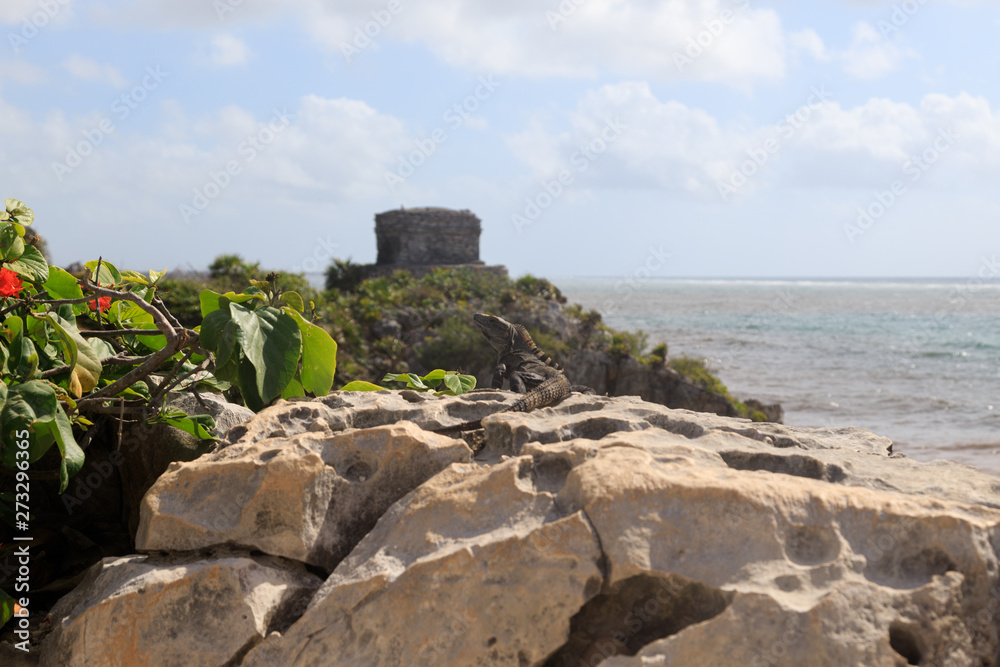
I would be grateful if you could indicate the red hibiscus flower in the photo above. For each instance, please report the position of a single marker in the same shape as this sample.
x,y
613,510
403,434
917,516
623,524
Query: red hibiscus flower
x,y
105,303
10,284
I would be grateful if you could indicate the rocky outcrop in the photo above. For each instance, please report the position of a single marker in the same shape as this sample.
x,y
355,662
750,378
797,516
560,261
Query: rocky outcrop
x,y
606,531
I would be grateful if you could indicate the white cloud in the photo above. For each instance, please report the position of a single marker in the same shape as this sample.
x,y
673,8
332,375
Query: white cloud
x,y
331,152
871,55
90,70
668,146
228,51
727,41
808,41
21,72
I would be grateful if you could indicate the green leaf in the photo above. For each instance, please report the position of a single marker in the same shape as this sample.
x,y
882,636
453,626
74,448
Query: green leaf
x,y
468,382
19,210
319,356
62,284
212,301
270,339
293,300
11,244
454,384
28,405
361,385
199,426
109,274
22,360
72,455
246,379
31,265
6,608
84,363
293,390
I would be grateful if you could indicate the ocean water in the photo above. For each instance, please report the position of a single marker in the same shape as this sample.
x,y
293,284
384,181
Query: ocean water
x,y
915,360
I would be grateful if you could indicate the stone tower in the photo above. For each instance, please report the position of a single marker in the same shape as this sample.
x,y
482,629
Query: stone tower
x,y
427,236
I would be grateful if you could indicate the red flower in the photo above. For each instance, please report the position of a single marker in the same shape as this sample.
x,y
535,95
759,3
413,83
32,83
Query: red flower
x,y
10,284
105,303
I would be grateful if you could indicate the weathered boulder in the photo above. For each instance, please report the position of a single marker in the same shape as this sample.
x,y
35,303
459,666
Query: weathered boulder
x,y
175,610
310,497
477,566
598,531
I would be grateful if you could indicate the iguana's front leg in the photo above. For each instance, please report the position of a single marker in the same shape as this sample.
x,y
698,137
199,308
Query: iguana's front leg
x,y
498,374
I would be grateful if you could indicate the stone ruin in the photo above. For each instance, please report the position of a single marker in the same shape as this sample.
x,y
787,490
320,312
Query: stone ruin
x,y
419,239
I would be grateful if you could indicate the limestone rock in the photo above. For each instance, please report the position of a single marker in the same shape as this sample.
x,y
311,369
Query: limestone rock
x,y
597,531
310,497
477,566
170,610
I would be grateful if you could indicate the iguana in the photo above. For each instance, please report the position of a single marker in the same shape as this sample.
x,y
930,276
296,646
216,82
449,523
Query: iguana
x,y
519,361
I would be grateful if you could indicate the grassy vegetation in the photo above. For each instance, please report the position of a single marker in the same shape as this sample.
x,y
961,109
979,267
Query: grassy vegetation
x,y
399,323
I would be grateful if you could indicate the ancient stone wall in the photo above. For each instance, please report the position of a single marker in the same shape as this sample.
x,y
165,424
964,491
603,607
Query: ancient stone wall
x,y
427,236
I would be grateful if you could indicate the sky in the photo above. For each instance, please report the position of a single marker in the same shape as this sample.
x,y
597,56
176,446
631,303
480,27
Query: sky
x,y
677,138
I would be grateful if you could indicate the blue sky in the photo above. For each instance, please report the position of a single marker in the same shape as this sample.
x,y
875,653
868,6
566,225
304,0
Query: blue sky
x,y
838,138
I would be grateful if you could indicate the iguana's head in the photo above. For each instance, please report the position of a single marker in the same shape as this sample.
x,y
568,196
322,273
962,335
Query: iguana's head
x,y
499,333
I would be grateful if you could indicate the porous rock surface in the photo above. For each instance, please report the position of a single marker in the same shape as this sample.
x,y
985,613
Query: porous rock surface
x,y
599,531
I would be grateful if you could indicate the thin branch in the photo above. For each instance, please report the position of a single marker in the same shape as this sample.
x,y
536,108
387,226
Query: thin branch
x,y
97,302
158,318
111,333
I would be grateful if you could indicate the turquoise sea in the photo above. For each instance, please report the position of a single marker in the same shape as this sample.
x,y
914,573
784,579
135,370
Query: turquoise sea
x,y
915,360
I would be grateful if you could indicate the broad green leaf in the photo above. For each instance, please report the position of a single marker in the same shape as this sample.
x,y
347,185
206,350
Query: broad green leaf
x,y
11,245
454,384
212,325
293,390
199,426
319,356
109,275
22,358
361,385
135,277
62,284
293,300
468,382
436,374
270,339
85,365
72,455
154,276
19,210
212,301
28,404
31,265
246,377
